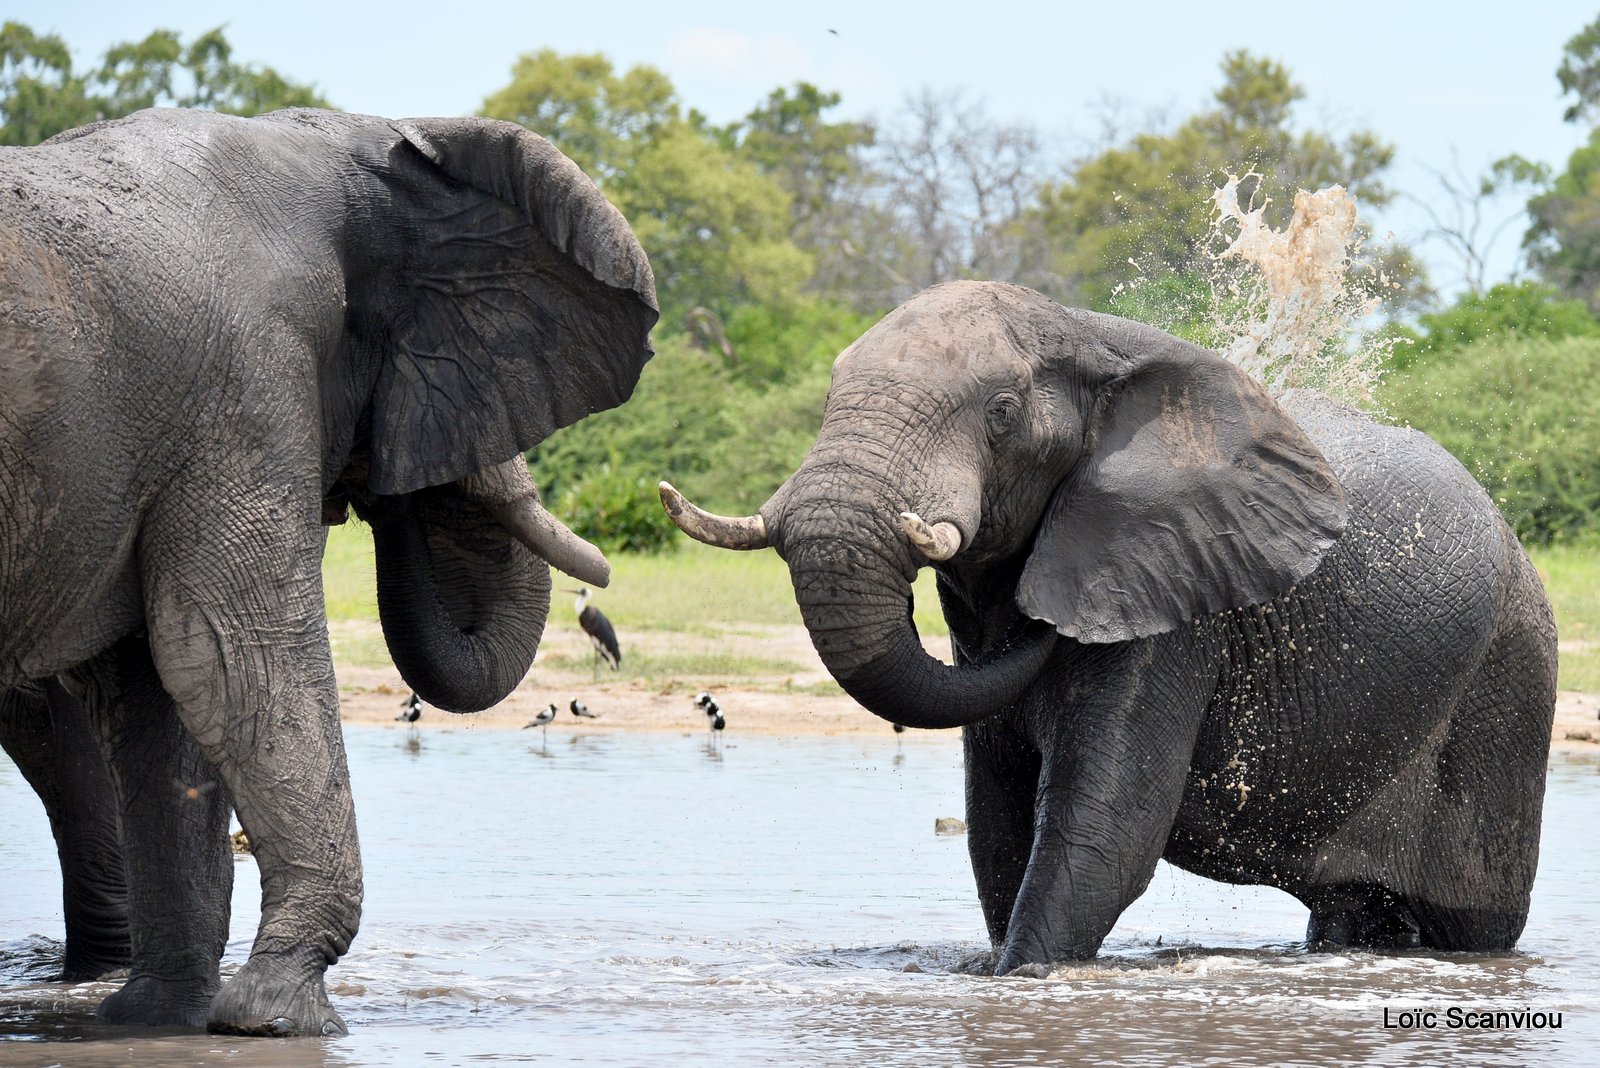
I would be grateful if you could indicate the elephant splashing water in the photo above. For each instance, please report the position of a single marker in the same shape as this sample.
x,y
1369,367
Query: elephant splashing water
x,y
1271,643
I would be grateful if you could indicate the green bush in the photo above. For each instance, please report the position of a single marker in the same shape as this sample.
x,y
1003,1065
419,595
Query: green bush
x,y
774,432
774,345
1526,308
1523,415
616,506
683,404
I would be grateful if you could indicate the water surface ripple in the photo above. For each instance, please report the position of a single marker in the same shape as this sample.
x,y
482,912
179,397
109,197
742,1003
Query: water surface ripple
x,y
652,898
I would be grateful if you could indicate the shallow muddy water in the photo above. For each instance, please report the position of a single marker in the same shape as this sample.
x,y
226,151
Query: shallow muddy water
x,y
647,898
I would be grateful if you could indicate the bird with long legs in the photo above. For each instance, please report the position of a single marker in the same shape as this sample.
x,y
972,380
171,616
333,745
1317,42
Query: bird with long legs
x,y
542,720
600,631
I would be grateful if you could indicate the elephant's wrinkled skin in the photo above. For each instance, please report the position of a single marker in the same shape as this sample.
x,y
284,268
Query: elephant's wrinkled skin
x,y
1298,651
217,334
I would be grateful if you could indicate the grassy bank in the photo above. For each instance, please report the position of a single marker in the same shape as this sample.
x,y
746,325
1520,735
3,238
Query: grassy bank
x,y
705,592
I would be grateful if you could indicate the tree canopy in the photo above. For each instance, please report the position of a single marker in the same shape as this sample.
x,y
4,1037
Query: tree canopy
x,y
41,95
1143,207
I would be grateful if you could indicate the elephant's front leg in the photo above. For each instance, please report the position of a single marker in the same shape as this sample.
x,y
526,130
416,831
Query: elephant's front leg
x,y
1115,747
1002,773
240,638
174,819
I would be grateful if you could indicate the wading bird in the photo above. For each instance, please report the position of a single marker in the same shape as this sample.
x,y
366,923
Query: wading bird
x,y
581,710
410,709
600,632
542,720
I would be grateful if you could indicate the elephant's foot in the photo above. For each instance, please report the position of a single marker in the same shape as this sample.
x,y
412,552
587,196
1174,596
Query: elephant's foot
x,y
80,966
147,1001
1389,925
1030,970
274,996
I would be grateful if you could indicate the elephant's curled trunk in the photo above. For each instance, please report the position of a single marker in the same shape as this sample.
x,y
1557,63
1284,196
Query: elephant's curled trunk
x,y
463,604
854,593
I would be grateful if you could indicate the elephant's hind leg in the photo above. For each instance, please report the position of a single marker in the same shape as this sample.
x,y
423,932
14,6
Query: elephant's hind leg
x,y
1362,917
1483,846
49,736
174,817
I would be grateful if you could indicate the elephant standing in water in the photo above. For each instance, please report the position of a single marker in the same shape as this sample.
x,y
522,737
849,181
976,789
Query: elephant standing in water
x,y
217,335
1276,645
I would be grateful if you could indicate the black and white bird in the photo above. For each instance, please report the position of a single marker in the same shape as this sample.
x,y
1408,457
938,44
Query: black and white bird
x,y
410,709
899,728
715,720
600,631
581,710
708,704
542,720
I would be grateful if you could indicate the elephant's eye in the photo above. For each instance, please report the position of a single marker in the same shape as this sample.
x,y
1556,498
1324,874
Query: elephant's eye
x,y
1002,413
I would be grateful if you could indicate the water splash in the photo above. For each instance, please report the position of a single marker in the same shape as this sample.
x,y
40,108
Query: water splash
x,y
1288,305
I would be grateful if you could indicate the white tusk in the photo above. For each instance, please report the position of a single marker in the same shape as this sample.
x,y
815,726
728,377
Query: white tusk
x,y
527,521
746,532
938,542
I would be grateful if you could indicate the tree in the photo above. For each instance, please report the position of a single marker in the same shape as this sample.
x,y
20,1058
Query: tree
x,y
951,184
811,159
1526,309
1466,225
1144,207
716,227
1563,236
1579,73
40,95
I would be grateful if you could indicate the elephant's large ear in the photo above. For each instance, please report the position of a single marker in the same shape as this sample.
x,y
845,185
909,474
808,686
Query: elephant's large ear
x,y
526,304
1197,493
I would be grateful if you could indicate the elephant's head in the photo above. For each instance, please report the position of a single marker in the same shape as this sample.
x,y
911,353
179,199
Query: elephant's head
x,y
1113,480
492,296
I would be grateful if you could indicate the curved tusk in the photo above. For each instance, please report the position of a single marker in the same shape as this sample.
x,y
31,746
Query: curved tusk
x,y
527,521
938,542
746,532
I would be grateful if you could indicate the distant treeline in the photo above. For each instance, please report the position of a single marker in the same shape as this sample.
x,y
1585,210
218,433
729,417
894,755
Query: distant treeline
x,y
778,238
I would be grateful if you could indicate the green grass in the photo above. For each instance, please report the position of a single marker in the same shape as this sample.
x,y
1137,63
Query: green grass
x,y
710,592
349,588
697,589
1571,575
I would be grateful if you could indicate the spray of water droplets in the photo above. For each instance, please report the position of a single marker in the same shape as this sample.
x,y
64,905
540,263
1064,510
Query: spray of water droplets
x,y
1287,305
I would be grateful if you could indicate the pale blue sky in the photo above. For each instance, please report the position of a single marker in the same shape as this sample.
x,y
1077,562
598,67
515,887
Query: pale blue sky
x,y
1475,78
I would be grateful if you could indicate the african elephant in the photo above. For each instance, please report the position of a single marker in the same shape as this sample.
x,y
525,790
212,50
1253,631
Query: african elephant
x,y
1283,645
217,334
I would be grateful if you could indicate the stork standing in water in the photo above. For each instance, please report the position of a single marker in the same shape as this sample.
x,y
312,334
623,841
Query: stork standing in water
x,y
600,632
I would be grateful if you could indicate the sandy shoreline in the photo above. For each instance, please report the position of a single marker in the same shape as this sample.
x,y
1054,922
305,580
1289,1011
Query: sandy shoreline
x,y
798,701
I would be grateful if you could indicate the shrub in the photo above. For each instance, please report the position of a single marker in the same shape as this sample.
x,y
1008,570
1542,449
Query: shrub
x,y
681,406
1523,415
616,506
1526,308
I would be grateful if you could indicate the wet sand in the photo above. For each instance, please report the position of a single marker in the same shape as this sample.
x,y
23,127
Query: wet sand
x,y
803,700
